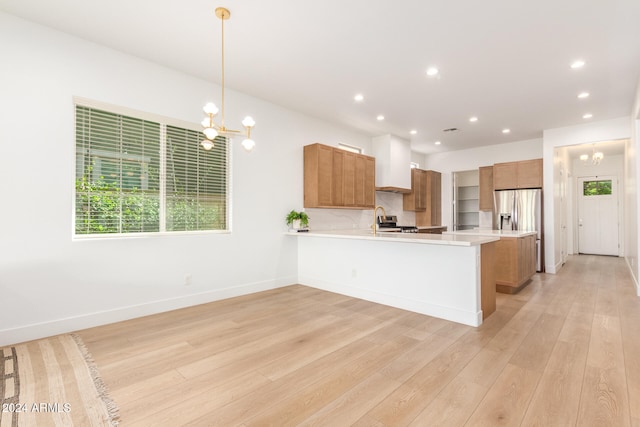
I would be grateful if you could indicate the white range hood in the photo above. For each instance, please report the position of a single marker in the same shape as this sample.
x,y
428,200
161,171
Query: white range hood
x,y
393,163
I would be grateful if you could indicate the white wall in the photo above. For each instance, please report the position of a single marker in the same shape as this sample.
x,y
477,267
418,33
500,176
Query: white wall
x,y
462,160
632,171
50,283
605,130
564,178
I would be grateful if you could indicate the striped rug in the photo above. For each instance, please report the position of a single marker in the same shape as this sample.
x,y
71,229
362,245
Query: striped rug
x,y
53,382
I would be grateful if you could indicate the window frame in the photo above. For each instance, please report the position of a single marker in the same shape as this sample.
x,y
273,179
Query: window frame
x,y
163,121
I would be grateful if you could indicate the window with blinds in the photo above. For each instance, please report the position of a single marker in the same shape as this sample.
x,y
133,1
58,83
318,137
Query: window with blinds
x,y
135,176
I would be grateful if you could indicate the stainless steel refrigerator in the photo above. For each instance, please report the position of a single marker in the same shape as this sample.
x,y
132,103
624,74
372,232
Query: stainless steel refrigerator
x,y
520,210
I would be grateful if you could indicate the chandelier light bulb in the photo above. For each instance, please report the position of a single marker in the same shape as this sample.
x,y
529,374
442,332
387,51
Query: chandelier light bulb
x,y
210,133
248,144
248,122
206,144
206,122
597,157
210,108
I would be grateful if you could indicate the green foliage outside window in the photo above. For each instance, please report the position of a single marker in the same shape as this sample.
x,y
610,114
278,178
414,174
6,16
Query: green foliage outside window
x,y
103,207
596,188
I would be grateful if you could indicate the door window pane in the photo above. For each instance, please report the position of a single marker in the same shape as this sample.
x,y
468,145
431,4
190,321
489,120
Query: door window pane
x,y
596,188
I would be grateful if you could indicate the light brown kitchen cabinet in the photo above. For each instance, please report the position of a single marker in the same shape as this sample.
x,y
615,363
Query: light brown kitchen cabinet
x,y
515,263
417,199
485,194
318,175
335,178
530,173
432,213
487,278
513,175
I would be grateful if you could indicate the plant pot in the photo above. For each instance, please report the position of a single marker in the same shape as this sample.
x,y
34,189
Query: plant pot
x,y
295,225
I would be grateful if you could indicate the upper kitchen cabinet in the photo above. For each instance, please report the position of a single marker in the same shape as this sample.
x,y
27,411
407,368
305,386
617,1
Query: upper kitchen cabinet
x,y
334,178
393,163
417,199
432,213
512,175
486,188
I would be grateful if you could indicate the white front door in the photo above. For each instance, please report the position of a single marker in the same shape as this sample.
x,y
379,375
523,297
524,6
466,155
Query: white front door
x,y
598,215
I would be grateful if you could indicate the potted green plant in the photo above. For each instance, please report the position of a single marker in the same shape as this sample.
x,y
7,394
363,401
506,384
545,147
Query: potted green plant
x,y
297,220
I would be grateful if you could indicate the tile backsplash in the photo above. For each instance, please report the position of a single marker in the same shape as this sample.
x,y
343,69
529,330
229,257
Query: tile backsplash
x,y
346,219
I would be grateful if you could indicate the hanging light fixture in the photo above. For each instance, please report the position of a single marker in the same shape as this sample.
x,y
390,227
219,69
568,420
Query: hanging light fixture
x,y
597,157
211,129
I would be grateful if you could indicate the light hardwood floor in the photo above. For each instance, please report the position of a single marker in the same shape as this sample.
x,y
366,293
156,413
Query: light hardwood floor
x,y
565,351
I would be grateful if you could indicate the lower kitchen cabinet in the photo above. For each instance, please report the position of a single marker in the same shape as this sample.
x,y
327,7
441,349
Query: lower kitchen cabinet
x,y
488,278
515,263
432,229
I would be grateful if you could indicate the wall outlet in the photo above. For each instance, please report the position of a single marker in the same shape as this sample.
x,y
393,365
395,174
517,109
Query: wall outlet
x,y
354,273
187,280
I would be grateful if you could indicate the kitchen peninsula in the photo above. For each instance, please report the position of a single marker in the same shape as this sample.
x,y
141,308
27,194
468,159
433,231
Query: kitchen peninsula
x,y
450,277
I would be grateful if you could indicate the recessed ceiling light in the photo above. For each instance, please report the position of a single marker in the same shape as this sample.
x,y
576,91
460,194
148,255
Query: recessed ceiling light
x,y
506,130
584,157
587,116
583,95
577,64
437,142
473,119
359,97
413,132
432,71
380,117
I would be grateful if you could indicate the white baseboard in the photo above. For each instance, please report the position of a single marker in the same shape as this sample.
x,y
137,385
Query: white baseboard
x,y
417,306
90,320
634,278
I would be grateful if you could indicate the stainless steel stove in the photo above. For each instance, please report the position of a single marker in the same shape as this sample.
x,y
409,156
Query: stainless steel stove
x,y
388,224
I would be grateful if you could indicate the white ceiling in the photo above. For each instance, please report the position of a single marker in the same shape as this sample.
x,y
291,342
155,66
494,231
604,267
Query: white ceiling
x,y
506,62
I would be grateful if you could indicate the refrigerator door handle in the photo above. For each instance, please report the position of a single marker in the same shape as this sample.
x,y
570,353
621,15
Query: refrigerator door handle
x,y
514,214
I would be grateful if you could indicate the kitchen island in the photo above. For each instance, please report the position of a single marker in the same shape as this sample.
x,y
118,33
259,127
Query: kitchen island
x,y
450,277
515,256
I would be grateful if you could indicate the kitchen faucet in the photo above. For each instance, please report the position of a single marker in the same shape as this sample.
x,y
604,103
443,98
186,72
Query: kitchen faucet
x,y
374,217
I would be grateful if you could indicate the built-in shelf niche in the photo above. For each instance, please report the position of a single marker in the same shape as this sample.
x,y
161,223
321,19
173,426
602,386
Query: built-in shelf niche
x,y
466,190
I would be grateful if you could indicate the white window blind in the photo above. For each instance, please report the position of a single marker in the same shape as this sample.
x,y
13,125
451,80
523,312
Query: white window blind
x,y
135,175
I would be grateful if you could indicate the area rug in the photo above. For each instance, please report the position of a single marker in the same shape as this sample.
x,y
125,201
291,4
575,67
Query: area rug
x,y
53,382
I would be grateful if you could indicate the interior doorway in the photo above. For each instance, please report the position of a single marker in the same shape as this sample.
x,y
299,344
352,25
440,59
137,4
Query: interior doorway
x,y
598,204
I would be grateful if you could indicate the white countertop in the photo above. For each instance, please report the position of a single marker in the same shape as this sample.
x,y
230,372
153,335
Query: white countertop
x,y
431,239
489,233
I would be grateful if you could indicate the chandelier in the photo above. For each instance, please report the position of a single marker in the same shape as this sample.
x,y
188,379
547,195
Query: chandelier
x,y
211,129
596,156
